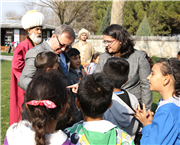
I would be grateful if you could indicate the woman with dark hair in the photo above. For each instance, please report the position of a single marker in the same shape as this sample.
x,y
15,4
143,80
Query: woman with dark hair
x,y
118,43
149,59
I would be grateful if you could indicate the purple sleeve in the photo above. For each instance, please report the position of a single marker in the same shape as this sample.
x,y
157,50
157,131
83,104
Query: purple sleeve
x,y
5,141
66,143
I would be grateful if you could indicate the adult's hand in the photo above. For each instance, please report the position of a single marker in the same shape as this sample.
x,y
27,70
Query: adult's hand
x,y
74,88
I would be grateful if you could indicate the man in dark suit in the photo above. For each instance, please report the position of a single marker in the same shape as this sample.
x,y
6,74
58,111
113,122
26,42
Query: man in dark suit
x,y
60,41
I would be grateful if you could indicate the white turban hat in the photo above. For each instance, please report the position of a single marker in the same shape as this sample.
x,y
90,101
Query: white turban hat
x,y
83,31
32,19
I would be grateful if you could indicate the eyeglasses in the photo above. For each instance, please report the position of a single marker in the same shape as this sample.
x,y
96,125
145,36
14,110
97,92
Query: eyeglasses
x,y
62,45
172,71
108,42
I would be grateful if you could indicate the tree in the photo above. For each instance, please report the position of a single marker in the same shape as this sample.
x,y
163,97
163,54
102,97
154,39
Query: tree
x,y
99,12
117,12
144,29
133,14
13,15
67,11
173,12
84,20
50,17
163,16
157,18
78,14
106,21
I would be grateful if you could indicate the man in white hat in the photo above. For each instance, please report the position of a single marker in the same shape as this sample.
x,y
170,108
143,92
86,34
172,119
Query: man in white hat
x,y
32,21
85,48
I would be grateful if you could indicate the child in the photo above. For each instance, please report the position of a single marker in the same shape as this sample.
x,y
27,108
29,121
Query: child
x,y
94,98
46,100
75,76
121,112
93,64
164,126
46,60
75,70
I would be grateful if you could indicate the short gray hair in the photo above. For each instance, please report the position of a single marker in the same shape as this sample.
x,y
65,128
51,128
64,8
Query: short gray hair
x,y
64,28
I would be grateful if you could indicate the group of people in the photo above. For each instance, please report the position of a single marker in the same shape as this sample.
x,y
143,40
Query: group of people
x,y
110,104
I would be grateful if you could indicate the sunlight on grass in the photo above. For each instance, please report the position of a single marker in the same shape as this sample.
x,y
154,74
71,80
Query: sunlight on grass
x,y
8,54
156,97
5,96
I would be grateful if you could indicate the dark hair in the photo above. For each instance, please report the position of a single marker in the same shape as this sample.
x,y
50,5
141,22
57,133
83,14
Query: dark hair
x,y
119,33
45,59
45,86
149,59
95,95
178,53
73,52
166,67
117,70
94,56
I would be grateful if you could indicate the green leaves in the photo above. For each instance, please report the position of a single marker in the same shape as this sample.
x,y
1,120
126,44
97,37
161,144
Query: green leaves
x,y
106,21
144,29
99,12
163,16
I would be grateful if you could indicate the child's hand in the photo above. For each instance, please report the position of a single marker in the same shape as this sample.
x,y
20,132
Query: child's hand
x,y
86,64
84,73
150,115
144,117
139,109
74,88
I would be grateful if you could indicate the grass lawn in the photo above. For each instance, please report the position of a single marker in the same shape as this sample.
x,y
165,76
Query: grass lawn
x,y
5,97
8,54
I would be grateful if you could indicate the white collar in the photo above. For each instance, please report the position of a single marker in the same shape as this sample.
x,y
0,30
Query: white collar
x,y
99,126
78,70
174,99
20,133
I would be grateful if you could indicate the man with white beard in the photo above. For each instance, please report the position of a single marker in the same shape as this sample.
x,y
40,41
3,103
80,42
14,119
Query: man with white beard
x,y
32,21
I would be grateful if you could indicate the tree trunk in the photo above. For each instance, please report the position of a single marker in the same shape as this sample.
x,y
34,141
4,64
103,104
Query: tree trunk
x,y
117,12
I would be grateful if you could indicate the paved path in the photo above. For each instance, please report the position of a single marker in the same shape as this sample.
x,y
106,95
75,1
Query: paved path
x,y
4,57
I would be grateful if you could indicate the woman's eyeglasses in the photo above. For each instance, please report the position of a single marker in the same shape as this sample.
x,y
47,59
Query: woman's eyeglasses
x,y
108,42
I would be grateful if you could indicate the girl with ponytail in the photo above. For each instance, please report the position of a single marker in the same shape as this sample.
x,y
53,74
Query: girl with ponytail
x,y
164,126
46,100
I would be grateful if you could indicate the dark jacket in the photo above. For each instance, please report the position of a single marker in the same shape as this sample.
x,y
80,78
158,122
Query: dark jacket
x,y
30,69
74,77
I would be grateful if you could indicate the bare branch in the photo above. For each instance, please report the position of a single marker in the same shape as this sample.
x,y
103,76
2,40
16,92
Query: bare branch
x,y
67,11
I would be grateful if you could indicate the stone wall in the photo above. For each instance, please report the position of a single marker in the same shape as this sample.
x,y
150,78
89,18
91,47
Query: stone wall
x,y
165,46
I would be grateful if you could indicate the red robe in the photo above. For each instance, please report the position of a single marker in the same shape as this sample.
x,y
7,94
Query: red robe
x,y
16,93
